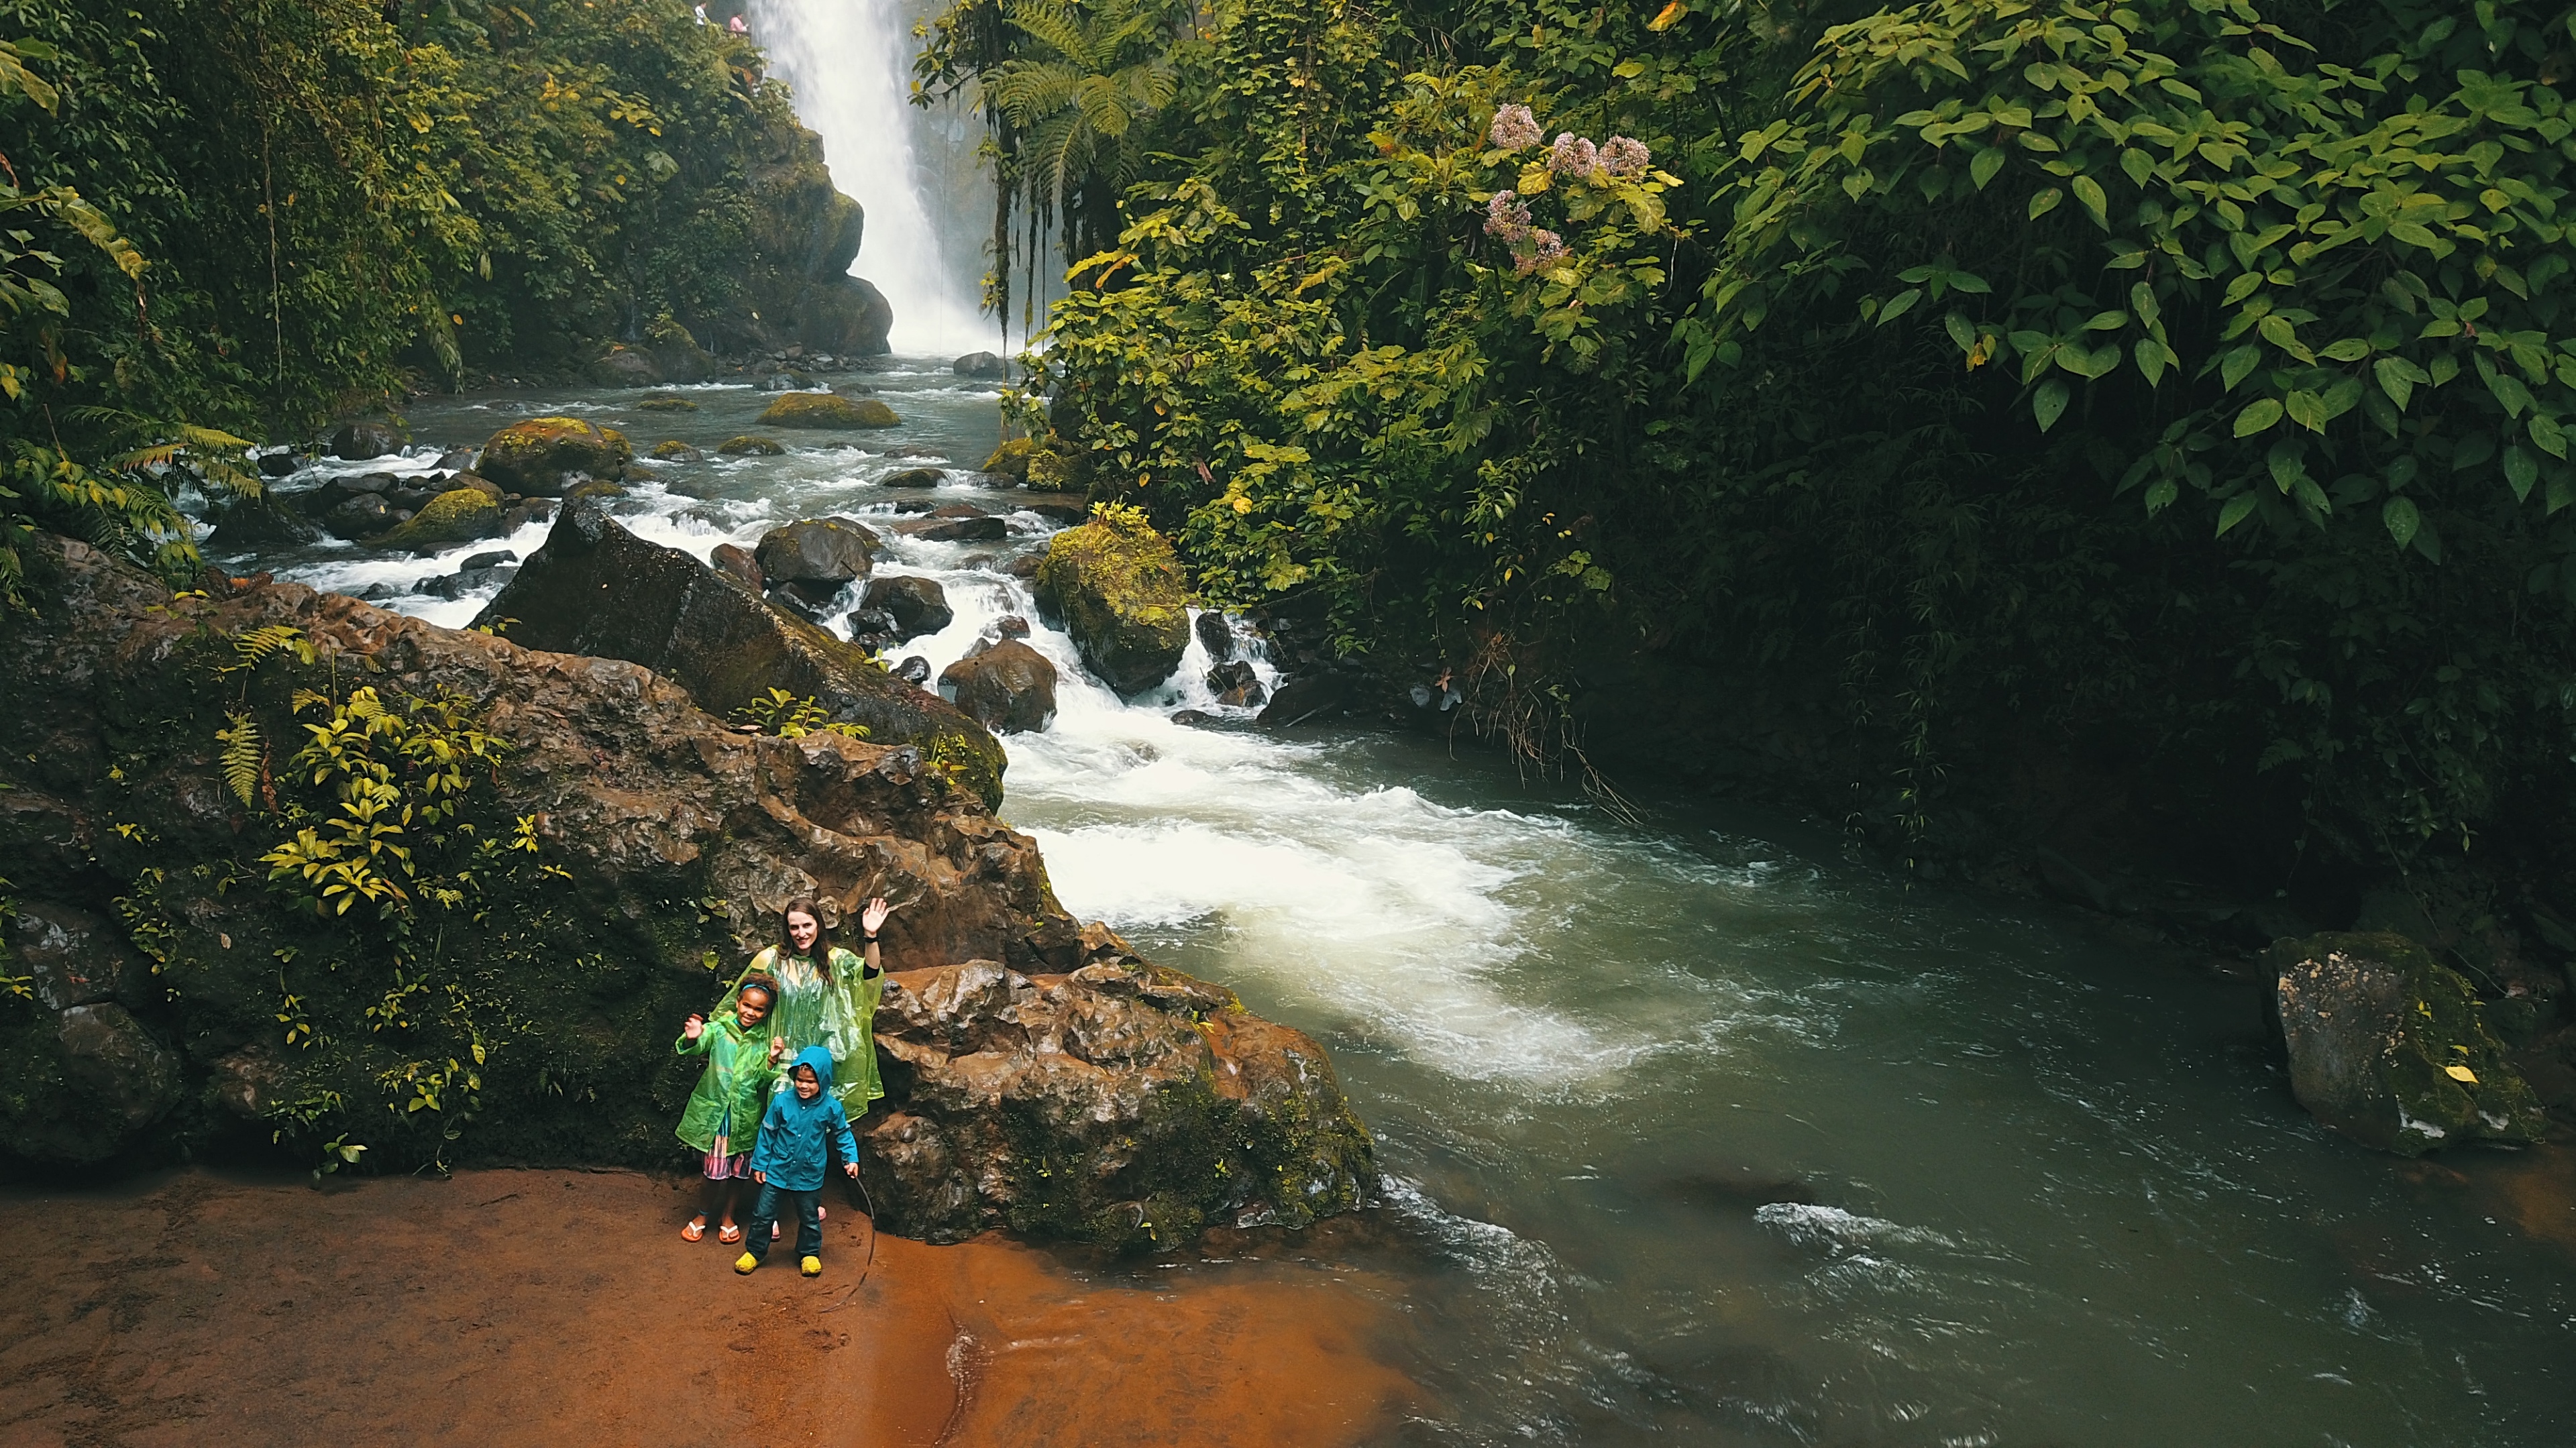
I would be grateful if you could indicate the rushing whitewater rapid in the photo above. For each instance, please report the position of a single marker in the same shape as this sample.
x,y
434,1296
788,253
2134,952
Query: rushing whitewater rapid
x,y
1697,1131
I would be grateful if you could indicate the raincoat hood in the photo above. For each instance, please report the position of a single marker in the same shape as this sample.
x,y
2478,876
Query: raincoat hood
x,y
818,1058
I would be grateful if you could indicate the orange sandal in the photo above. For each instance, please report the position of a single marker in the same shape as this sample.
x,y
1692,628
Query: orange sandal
x,y
695,1231
729,1234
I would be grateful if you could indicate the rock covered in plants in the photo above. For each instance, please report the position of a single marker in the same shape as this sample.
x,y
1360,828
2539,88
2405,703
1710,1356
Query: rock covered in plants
x,y
828,410
817,556
533,1023
1120,1103
2390,1048
1008,687
672,450
595,588
543,456
459,515
1118,588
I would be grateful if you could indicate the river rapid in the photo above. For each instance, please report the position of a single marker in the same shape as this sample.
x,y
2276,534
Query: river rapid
x,y
1696,1130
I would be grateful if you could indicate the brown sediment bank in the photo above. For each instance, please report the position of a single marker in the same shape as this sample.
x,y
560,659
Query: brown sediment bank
x,y
562,1306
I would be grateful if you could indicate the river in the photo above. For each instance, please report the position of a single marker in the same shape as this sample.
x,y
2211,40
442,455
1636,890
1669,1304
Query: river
x,y
1697,1130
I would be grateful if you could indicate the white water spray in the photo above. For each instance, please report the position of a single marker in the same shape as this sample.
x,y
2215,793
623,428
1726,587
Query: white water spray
x,y
849,64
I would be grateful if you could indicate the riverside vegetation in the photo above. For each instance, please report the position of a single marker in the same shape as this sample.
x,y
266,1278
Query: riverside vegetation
x,y
2121,447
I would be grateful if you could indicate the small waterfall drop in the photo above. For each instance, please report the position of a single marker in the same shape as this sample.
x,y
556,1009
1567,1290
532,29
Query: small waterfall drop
x,y
849,63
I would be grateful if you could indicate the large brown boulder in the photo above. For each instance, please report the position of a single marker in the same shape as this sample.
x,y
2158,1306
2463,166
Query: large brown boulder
x,y
1040,1077
2390,1047
595,588
817,557
459,515
1009,687
1122,1103
1118,588
543,456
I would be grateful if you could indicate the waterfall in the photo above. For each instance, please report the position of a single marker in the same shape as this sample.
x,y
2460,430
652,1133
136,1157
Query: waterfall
x,y
849,63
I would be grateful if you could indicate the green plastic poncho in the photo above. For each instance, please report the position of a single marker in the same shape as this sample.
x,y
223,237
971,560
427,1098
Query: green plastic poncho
x,y
838,1014
733,1090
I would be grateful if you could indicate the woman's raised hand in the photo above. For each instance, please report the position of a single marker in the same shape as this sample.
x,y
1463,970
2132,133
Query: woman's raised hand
x,y
875,915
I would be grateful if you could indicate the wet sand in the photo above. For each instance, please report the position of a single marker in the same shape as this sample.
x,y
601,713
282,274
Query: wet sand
x,y
557,1306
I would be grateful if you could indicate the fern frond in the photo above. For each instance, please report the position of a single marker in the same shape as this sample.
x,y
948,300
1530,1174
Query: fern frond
x,y
244,752
253,645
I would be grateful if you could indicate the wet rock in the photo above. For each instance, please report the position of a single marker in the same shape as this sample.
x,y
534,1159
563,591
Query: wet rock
x,y
1066,514
279,463
520,515
624,367
1024,566
1192,717
493,559
261,523
464,582
2390,1048
71,957
1011,459
597,589
1164,1107
478,483
456,460
749,446
980,364
828,410
543,456
362,516
1214,636
459,515
1010,626
595,489
248,1083
672,450
365,440
872,629
817,557
914,670
667,402
913,478
1308,696
1234,684
917,606
110,1057
737,560
954,530
784,381
1118,588
1008,688
698,488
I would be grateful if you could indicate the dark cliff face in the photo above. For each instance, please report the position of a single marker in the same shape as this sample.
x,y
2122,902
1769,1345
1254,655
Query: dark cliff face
x,y
804,235
626,851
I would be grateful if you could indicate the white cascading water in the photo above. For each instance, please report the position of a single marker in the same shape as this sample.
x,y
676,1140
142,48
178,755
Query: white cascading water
x,y
849,65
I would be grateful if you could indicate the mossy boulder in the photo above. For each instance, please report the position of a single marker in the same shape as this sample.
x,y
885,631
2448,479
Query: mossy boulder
x,y
1011,459
459,515
542,456
749,446
1041,463
666,402
1118,588
672,450
828,410
2391,1048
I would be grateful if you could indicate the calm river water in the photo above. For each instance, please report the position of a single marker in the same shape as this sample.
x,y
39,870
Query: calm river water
x,y
1697,1131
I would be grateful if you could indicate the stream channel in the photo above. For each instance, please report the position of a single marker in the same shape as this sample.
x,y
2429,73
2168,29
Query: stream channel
x,y
1697,1130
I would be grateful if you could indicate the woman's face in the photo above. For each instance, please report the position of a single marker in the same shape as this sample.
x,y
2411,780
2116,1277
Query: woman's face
x,y
801,929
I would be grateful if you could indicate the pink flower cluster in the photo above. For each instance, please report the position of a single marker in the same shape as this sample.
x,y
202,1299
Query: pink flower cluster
x,y
1507,219
1573,156
1624,157
1514,128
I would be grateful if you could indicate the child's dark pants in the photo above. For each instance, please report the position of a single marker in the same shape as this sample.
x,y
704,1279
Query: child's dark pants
x,y
809,1220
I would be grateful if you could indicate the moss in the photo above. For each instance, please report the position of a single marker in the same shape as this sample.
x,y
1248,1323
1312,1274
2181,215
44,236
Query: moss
x,y
747,445
595,489
672,450
459,515
828,410
535,456
665,402
1119,589
1011,459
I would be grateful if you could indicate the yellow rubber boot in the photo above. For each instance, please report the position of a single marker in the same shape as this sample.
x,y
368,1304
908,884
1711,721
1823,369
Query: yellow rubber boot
x,y
745,1263
811,1266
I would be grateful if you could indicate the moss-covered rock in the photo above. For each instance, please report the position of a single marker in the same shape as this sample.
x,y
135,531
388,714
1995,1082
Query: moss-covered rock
x,y
598,489
667,402
672,450
828,410
749,446
2390,1047
1118,588
1011,459
542,456
459,515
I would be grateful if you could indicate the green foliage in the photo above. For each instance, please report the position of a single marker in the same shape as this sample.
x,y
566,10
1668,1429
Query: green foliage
x,y
2188,379
789,717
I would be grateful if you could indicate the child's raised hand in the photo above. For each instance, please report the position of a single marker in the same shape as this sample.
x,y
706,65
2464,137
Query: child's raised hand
x,y
694,1027
875,915
777,1050
850,1169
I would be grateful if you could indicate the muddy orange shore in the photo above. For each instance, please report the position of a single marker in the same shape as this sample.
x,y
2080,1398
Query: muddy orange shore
x,y
562,1307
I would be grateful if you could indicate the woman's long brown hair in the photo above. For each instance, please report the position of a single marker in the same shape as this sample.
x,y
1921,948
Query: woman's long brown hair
x,y
822,935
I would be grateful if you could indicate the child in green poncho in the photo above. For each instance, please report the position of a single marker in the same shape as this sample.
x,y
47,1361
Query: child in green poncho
x,y
724,1111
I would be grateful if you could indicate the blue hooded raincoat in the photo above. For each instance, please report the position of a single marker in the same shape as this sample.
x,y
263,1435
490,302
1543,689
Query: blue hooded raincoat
x,y
797,1136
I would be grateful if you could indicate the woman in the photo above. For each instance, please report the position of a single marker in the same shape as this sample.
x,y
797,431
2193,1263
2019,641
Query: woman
x,y
827,997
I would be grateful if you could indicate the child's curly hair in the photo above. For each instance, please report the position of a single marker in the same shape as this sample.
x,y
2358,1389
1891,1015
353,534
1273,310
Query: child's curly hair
x,y
759,982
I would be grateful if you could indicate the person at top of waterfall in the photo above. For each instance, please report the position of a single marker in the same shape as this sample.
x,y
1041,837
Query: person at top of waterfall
x,y
724,1111
702,14
799,1134
737,27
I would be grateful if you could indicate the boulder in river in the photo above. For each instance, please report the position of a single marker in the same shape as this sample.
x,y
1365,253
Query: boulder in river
x,y
624,367
917,605
541,457
1234,684
597,589
1039,1076
360,515
913,478
1008,688
459,515
2389,1046
935,529
365,440
672,450
817,557
981,364
1118,588
1214,636
666,402
1123,1071
737,560
261,522
746,445
828,410
914,670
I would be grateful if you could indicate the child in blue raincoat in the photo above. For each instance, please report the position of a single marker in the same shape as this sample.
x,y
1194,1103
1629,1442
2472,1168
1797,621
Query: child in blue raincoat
x,y
797,1137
